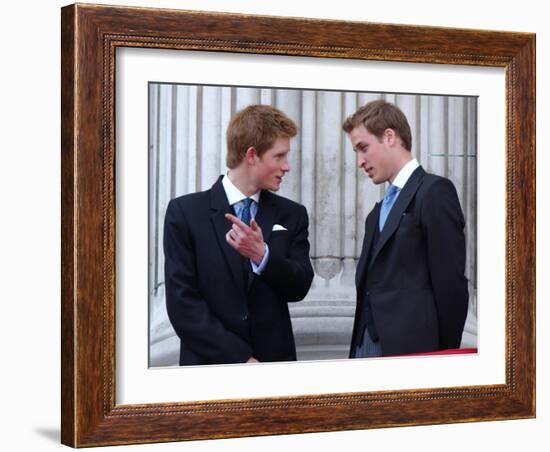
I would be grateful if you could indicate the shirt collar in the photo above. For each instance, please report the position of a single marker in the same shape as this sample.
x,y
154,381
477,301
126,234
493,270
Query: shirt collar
x,y
405,172
233,194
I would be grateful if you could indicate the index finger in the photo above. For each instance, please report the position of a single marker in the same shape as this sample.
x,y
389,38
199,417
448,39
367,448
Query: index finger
x,y
235,220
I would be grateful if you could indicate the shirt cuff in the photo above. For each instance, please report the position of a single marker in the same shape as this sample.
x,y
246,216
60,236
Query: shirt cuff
x,y
258,269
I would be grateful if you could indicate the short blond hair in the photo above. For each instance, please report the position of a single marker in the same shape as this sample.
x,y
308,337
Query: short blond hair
x,y
379,115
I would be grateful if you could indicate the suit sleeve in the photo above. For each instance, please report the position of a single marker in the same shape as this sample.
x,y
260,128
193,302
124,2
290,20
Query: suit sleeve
x,y
291,276
443,224
189,312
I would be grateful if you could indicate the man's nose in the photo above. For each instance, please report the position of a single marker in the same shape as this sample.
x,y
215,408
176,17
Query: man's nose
x,y
286,166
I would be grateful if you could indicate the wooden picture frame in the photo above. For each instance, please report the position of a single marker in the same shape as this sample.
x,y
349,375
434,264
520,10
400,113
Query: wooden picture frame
x,y
90,36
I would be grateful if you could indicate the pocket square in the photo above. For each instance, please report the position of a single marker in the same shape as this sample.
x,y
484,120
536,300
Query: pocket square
x,y
278,227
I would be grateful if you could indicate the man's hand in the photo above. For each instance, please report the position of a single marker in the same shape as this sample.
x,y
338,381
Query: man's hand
x,y
252,360
248,241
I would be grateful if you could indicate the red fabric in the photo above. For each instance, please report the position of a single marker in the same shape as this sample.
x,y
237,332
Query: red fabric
x,y
449,351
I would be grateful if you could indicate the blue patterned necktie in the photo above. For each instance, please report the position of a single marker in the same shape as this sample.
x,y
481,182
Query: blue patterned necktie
x,y
387,203
245,213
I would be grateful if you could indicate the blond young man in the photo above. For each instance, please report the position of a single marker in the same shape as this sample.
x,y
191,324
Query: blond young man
x,y
412,295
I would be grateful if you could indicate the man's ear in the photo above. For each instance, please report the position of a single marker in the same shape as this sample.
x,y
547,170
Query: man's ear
x,y
390,136
250,155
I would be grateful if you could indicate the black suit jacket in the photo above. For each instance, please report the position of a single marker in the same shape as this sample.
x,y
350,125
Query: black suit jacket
x,y
222,312
412,279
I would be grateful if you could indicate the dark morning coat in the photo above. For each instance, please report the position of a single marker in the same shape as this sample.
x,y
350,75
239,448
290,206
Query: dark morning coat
x,y
221,311
412,279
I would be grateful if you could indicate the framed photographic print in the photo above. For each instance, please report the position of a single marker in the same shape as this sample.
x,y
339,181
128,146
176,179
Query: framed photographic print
x,y
146,97
188,124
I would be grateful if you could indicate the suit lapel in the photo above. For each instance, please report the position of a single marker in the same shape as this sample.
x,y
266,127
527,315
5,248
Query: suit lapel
x,y
401,204
370,223
219,206
266,214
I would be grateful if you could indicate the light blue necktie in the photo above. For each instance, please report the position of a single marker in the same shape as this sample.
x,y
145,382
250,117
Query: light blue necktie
x,y
245,213
387,203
